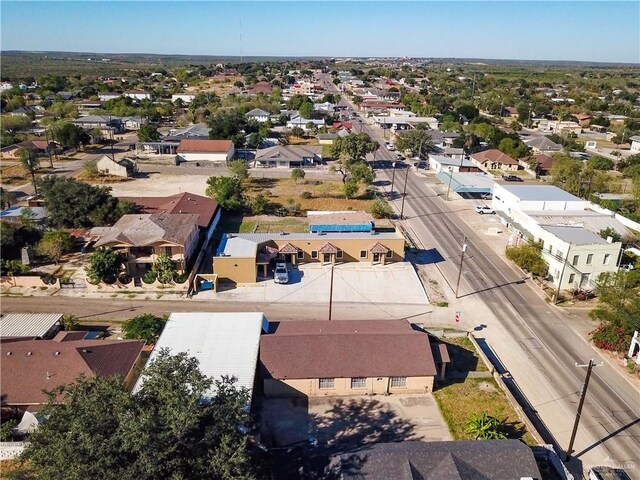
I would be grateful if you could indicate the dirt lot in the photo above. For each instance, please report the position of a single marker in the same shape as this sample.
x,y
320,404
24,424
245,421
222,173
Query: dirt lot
x,y
160,185
339,424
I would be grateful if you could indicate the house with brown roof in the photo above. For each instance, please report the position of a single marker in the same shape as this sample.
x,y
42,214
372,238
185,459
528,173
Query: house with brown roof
x,y
494,159
541,162
142,238
355,357
264,88
31,367
207,209
218,152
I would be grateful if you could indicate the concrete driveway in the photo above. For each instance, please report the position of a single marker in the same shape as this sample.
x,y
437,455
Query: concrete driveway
x,y
342,423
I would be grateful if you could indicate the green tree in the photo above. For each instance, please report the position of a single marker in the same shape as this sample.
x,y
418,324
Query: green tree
x,y
104,264
70,322
485,427
259,204
70,135
350,188
528,257
380,208
297,174
146,327
228,125
600,163
610,232
515,148
239,169
353,147
227,191
31,163
417,141
148,133
565,173
172,427
306,109
164,268
55,244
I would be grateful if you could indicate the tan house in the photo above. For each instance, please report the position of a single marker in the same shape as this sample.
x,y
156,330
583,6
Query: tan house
x,y
355,357
144,237
244,258
494,159
124,167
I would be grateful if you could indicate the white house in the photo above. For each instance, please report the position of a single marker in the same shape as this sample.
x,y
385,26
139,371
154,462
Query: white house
x,y
133,123
5,86
289,156
298,121
137,95
185,97
198,150
440,162
635,143
258,115
510,198
105,96
120,168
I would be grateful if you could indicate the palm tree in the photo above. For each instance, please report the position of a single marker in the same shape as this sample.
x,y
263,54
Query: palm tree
x,y
485,427
31,163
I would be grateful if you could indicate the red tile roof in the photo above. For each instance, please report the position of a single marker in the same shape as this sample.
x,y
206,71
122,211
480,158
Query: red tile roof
x,y
344,349
494,155
187,203
204,146
29,367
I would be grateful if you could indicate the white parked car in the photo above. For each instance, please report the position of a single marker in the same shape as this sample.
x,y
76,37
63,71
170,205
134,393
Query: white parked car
x,y
281,273
482,209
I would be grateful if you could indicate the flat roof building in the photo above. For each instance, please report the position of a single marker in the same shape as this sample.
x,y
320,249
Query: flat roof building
x,y
30,325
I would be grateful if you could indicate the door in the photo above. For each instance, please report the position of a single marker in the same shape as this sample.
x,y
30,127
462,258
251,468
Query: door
x,y
584,281
376,258
326,258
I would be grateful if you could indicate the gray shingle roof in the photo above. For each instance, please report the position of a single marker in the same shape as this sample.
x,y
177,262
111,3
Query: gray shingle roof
x,y
147,229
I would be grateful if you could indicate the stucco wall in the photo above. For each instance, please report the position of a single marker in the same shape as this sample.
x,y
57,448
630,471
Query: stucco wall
x,y
235,269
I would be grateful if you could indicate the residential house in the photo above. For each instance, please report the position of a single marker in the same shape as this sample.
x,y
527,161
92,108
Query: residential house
x,y
137,95
414,460
327,138
355,357
541,144
557,126
635,143
405,122
28,110
297,120
258,115
440,162
144,237
218,152
5,86
207,209
511,112
198,130
224,343
324,107
104,123
186,98
263,88
125,167
246,257
106,96
382,106
339,221
494,159
289,156
30,368
89,105
30,325
41,147
17,215
133,123
542,162
583,119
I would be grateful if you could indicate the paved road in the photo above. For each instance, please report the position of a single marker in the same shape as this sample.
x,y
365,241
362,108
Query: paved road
x,y
610,428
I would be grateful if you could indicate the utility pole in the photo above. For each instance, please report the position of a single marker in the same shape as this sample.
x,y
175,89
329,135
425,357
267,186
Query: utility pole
x,y
464,249
583,394
46,136
450,177
564,265
404,192
331,294
393,177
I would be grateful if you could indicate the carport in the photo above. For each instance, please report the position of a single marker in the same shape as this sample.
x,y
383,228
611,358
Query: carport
x,y
468,184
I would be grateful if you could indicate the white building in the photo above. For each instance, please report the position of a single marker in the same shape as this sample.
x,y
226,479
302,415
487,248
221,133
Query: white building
x,y
106,96
185,97
225,344
440,162
137,95
635,143
258,115
298,121
5,86
510,198
124,167
199,150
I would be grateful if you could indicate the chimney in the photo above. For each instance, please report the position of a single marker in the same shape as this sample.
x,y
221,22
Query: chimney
x,y
609,239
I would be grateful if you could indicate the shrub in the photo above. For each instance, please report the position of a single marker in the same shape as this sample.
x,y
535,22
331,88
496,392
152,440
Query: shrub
x,y
12,267
259,204
529,258
180,277
381,209
164,268
149,277
147,327
610,337
292,207
69,323
306,195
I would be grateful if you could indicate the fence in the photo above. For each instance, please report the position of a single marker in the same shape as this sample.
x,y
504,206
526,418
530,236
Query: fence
x,y
29,281
9,450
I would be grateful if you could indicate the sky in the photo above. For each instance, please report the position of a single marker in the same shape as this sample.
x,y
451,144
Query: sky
x,y
599,31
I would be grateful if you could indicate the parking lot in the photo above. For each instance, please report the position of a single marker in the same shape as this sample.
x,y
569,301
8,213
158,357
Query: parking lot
x,y
340,423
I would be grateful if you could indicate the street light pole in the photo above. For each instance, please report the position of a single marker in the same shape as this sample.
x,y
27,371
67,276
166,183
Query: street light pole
x,y
404,192
393,177
450,178
583,394
464,249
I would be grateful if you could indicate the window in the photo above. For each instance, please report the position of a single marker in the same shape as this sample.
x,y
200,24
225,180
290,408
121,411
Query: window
x,y
339,254
572,277
550,248
589,258
167,251
363,254
389,254
398,382
576,258
300,254
326,383
359,382
605,261
314,254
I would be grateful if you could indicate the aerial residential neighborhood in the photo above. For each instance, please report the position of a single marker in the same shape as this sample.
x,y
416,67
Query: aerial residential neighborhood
x,y
261,249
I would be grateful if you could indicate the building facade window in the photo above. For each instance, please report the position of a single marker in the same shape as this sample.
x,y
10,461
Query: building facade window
x,y
300,254
576,258
339,254
572,277
589,258
314,254
363,254
359,382
389,254
605,260
167,251
326,383
398,382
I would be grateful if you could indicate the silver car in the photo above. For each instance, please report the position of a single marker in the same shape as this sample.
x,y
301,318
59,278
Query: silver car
x,y
281,273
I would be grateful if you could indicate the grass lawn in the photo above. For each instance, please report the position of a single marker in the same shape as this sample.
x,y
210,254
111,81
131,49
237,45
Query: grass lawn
x,y
458,401
464,357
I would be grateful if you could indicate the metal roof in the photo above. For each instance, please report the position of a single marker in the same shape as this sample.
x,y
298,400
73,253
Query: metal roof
x,y
543,193
575,235
467,182
225,343
38,213
453,162
27,324
592,221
